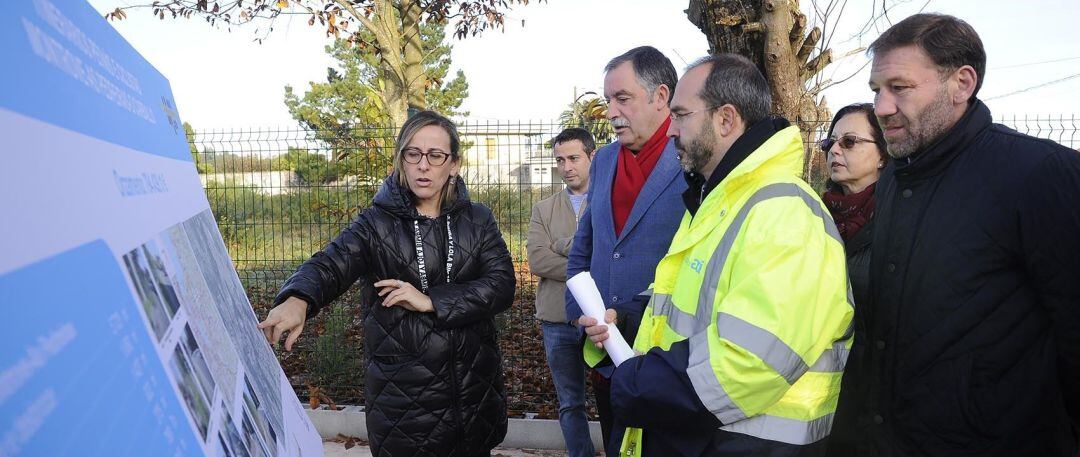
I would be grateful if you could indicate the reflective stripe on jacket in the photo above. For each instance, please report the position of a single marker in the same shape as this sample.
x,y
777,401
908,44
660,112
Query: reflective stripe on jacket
x,y
756,281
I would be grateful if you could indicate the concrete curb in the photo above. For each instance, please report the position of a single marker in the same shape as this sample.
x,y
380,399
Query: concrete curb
x,y
521,433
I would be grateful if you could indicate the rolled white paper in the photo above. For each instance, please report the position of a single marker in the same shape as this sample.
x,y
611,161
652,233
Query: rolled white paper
x,y
588,297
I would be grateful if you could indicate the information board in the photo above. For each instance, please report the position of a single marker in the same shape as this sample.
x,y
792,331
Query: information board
x,y
126,329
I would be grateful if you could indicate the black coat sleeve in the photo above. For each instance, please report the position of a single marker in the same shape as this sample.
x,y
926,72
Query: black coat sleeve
x,y
1050,233
462,303
653,391
331,271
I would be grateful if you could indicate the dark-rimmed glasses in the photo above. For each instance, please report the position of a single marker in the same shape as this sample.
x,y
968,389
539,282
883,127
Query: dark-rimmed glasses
x,y
434,157
846,142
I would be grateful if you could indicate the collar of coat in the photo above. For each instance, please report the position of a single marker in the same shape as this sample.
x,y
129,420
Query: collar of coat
x,y
779,158
400,201
698,188
936,157
755,136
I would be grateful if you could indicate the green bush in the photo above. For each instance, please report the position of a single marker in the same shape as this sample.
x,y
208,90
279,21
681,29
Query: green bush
x,y
311,168
279,231
513,208
333,362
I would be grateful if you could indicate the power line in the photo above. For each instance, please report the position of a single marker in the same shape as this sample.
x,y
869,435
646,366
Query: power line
x,y
1036,63
1039,86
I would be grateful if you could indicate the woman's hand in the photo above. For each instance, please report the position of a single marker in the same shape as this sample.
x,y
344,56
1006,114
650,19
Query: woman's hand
x,y
287,317
403,294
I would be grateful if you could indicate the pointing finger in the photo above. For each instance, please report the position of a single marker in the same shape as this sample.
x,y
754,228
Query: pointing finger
x,y
294,334
267,326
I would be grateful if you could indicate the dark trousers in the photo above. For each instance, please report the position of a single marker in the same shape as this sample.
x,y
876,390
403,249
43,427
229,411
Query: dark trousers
x,y
611,430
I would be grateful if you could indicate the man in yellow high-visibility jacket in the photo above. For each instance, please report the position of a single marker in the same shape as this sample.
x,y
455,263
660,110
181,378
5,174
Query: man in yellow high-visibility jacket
x,y
748,326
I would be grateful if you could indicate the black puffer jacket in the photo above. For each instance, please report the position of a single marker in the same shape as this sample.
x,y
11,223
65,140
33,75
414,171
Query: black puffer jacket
x,y
434,384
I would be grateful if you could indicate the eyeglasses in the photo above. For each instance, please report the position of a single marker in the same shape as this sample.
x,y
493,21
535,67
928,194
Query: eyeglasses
x,y
675,117
434,157
846,142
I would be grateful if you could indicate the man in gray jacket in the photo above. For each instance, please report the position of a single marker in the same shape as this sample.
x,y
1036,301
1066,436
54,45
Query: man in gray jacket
x,y
551,229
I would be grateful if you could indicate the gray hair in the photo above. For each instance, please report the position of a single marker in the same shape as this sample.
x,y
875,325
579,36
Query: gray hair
x,y
735,80
651,67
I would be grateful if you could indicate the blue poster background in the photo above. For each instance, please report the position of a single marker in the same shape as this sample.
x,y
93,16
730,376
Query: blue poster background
x,y
89,61
114,341
103,391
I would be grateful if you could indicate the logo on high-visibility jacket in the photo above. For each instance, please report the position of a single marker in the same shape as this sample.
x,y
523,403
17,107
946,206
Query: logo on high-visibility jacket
x,y
696,265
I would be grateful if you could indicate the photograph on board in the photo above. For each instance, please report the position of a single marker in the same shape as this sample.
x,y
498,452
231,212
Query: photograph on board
x,y
198,363
195,401
152,305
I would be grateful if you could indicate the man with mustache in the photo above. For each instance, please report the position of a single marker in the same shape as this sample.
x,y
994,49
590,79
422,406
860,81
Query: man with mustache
x,y
551,230
634,203
973,328
746,333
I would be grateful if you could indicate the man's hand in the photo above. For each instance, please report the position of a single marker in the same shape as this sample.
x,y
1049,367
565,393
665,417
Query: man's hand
x,y
403,294
287,317
597,332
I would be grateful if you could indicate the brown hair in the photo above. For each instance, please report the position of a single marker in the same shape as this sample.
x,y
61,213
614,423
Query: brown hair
x,y
408,131
867,110
949,42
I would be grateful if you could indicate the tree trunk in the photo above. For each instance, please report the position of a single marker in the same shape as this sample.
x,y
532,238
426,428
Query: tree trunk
x,y
781,69
771,34
416,81
392,38
394,98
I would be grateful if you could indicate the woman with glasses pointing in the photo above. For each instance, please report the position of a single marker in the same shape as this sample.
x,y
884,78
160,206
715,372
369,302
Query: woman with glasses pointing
x,y
855,150
434,271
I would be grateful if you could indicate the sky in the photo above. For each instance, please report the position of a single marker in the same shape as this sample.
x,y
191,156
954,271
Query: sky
x,y
223,79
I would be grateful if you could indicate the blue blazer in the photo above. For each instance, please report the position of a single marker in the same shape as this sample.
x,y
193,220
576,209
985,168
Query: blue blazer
x,y
624,267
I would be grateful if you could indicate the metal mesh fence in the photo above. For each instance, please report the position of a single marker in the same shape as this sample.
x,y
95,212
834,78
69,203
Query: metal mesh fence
x,y
281,195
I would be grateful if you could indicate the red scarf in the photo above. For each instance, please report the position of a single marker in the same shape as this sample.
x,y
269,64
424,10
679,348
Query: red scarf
x,y
850,212
633,170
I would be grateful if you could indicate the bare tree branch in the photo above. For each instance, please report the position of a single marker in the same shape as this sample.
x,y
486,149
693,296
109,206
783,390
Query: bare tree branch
x,y
808,45
815,66
852,75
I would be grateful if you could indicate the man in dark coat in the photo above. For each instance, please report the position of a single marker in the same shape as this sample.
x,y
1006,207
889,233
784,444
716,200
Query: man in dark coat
x,y
973,331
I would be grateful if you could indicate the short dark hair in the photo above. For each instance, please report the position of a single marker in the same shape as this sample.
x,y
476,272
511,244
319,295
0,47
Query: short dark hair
x,y
735,80
949,41
651,67
867,110
576,133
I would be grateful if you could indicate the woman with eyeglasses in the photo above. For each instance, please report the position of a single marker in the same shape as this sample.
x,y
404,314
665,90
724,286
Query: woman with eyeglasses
x,y
855,149
434,271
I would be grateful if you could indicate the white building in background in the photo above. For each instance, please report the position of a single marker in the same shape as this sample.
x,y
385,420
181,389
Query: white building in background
x,y
500,153
264,182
